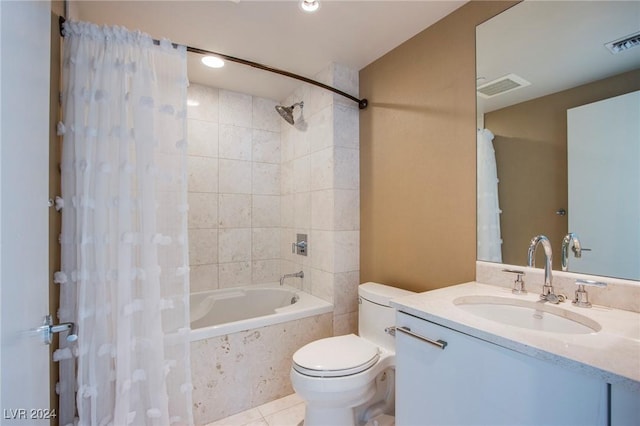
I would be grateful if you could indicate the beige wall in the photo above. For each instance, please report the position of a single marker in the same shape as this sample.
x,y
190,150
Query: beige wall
x,y
418,156
531,152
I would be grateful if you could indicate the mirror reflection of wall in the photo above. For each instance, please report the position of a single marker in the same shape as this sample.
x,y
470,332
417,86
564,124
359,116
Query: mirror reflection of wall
x,y
603,148
530,123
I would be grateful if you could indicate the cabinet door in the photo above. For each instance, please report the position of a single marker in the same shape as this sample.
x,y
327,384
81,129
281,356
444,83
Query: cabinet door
x,y
625,406
474,382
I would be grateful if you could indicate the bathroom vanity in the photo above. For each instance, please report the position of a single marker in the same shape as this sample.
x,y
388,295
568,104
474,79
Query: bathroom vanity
x,y
466,355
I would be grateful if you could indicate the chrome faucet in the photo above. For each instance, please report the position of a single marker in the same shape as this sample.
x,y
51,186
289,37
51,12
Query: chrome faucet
x,y
570,240
547,289
296,275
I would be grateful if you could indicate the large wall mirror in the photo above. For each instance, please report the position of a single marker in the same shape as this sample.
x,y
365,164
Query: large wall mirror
x,y
559,98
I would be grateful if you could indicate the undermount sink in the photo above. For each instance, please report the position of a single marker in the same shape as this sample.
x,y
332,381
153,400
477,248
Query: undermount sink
x,y
537,315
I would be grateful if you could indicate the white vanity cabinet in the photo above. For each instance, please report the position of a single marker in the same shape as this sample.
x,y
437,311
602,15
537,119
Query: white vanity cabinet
x,y
473,382
625,406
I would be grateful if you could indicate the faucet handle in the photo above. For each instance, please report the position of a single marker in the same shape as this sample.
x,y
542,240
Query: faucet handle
x,y
518,284
592,283
582,297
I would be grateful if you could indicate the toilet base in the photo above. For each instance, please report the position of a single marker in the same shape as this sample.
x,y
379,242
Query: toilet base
x,y
325,416
382,420
377,400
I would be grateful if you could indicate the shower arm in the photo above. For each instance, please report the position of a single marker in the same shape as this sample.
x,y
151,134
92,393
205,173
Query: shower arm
x,y
362,103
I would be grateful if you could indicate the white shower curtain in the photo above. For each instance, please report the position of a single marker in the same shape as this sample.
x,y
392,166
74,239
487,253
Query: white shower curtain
x,y
489,241
124,278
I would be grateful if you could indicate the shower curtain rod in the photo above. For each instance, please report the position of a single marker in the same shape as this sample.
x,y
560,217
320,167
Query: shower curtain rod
x,y
362,103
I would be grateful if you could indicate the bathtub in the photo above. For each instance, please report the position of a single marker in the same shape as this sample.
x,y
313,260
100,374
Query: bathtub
x,y
242,343
219,312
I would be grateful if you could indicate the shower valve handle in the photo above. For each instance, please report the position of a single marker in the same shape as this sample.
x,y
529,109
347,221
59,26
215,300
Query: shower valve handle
x,y
301,245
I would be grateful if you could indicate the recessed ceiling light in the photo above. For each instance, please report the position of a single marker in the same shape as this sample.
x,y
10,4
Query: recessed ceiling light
x,y
192,102
309,5
213,61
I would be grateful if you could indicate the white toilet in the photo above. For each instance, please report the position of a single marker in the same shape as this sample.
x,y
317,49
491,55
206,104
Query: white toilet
x,y
350,380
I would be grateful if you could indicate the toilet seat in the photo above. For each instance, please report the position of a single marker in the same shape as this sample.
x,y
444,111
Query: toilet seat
x,y
336,356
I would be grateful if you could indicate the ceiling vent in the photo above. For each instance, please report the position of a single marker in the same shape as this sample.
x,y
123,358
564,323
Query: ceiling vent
x,y
625,43
502,85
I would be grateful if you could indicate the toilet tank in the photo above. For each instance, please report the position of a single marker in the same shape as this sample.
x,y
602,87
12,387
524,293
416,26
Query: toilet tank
x,y
375,314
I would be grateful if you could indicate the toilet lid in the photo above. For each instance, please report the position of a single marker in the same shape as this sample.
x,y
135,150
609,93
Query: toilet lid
x,y
335,356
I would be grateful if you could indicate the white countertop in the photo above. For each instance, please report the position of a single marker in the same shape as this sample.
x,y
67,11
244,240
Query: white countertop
x,y
612,354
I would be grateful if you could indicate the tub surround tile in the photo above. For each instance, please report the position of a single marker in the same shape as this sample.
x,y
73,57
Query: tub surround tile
x,y
206,99
315,98
287,180
347,168
234,245
235,108
322,210
266,146
235,274
322,169
302,211
302,142
312,170
235,142
287,141
264,115
346,251
203,138
229,379
265,211
203,210
346,129
322,285
265,243
347,80
346,292
287,213
265,271
203,277
345,324
266,179
235,176
323,250
234,211
320,133
346,210
203,246
302,174
202,174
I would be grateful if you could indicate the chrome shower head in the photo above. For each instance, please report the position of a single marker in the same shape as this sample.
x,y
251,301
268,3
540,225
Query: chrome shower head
x,y
287,112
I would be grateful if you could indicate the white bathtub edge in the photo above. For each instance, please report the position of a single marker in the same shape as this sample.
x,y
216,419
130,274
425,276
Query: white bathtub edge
x,y
307,306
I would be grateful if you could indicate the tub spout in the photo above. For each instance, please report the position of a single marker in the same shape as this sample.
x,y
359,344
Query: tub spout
x,y
296,275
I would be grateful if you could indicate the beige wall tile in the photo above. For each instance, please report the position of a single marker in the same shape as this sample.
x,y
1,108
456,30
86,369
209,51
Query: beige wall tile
x,y
234,211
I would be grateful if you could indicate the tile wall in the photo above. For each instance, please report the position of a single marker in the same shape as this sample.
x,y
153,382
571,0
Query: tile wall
x,y
234,189
255,182
240,371
320,193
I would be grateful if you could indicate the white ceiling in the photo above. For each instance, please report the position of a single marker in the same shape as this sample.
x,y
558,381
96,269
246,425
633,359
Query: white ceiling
x,y
555,45
275,33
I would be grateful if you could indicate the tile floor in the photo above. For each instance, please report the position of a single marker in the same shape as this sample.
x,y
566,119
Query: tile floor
x,y
287,411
